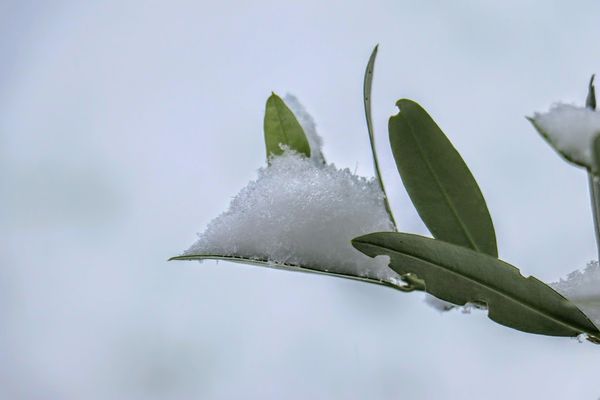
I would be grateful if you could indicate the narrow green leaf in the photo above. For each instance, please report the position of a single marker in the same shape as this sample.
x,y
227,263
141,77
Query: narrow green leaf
x,y
460,276
439,182
283,129
412,283
367,85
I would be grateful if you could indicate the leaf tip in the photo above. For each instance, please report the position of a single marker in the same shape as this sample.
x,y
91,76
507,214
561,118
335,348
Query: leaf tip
x,y
360,239
402,104
404,101
362,244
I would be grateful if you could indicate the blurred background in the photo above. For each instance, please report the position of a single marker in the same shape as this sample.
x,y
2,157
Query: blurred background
x,y
126,126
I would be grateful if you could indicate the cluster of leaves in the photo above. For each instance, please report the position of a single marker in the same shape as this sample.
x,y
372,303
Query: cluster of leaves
x,y
460,263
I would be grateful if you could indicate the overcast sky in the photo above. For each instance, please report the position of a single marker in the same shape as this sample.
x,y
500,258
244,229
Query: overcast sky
x,y
125,127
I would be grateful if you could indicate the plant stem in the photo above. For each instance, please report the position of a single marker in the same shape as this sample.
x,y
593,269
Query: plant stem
x,y
593,181
594,184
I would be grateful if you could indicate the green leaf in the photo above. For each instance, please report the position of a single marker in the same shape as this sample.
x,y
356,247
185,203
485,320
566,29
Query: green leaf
x,y
439,182
460,276
283,129
412,283
367,85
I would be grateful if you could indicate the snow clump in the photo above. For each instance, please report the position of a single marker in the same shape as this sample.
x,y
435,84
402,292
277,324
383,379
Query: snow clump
x,y
310,127
583,289
302,213
570,130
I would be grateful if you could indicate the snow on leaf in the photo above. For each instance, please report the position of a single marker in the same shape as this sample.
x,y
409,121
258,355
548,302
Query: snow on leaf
x,y
310,127
570,130
582,287
304,214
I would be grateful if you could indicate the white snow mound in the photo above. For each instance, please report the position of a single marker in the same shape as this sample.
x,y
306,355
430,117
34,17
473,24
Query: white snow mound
x,y
571,130
304,213
583,289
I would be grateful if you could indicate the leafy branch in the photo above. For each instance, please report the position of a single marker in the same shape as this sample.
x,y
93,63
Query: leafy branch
x,y
460,263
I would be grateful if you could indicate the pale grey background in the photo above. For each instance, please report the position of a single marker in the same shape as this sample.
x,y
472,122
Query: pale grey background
x,y
126,126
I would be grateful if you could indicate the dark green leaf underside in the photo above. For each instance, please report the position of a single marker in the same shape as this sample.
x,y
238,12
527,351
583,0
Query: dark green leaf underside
x,y
439,182
460,275
281,128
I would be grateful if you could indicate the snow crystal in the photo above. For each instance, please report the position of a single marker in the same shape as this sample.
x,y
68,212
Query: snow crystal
x,y
303,213
571,130
583,289
310,127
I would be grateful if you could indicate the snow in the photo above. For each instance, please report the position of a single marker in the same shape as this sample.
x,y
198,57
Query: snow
x,y
303,213
308,124
570,130
583,288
